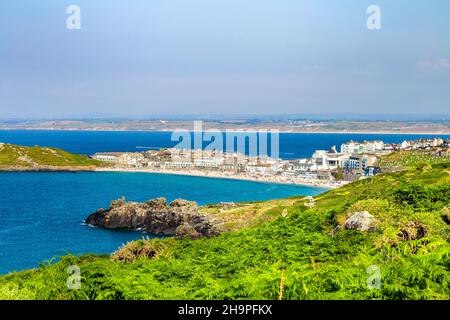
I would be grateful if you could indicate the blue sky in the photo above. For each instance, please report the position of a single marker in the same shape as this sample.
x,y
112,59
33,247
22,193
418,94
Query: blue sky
x,y
141,57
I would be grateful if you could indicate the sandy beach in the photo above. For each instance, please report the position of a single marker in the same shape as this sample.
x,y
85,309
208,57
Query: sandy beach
x,y
240,176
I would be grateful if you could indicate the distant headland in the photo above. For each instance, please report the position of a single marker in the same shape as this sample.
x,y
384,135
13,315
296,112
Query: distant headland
x,y
287,125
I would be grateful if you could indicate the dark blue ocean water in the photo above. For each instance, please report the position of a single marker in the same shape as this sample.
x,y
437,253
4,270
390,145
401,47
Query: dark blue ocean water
x,y
41,213
292,145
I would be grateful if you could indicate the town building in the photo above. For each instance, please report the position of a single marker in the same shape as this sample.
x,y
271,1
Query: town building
x,y
359,162
301,165
422,144
355,161
370,171
107,156
122,158
178,165
211,162
353,147
328,160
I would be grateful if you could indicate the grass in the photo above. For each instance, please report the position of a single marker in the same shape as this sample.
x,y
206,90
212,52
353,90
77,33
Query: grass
x,y
249,214
19,156
404,159
289,251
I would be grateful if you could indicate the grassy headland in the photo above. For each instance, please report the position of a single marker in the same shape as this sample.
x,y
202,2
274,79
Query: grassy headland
x,y
19,158
290,251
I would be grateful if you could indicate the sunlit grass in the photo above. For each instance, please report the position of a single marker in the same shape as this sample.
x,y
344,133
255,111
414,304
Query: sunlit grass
x,y
12,155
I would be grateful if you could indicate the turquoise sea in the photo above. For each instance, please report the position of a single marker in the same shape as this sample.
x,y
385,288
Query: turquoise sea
x,y
41,214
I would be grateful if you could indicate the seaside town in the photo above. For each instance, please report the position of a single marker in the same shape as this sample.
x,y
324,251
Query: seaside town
x,y
326,168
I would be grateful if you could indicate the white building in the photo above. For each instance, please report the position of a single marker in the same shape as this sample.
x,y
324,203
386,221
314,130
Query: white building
x,y
302,165
213,162
328,160
179,165
429,143
353,147
131,159
123,158
107,156
349,147
256,169
405,145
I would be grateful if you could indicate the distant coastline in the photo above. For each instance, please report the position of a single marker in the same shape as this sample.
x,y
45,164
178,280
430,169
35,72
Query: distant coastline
x,y
385,132
291,125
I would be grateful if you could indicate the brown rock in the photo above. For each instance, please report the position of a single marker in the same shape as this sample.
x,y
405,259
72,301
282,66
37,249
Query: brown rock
x,y
155,217
187,231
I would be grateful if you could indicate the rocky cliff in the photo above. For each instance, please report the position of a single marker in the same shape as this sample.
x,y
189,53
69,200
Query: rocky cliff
x,y
180,218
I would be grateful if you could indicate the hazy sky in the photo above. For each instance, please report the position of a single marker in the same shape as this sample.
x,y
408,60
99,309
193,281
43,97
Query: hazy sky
x,y
142,57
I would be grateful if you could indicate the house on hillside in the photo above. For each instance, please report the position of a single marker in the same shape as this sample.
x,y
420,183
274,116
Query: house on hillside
x,y
364,147
372,171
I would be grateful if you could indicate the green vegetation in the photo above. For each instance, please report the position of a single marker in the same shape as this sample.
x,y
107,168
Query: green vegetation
x,y
248,214
406,159
293,252
35,157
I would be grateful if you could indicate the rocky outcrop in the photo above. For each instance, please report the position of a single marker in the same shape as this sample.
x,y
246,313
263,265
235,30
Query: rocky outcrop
x,y
180,218
361,221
